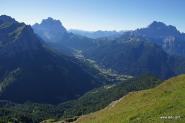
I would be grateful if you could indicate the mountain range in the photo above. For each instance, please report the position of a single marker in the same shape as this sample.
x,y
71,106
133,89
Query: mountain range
x,y
59,39
97,34
132,53
30,71
166,36
48,72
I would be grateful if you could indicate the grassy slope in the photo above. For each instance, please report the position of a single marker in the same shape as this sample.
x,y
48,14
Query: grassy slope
x,y
146,106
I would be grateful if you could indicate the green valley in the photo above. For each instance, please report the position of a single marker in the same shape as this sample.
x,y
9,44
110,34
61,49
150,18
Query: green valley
x,y
162,104
92,101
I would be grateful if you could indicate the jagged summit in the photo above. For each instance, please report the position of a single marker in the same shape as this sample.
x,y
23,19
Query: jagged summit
x,y
49,29
157,24
50,21
5,18
158,30
162,26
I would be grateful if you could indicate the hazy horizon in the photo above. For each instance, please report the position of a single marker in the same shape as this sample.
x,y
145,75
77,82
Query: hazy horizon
x,y
93,15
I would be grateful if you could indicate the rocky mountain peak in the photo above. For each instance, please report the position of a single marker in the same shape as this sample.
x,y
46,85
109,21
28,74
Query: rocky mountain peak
x,y
52,24
157,24
50,30
5,18
160,26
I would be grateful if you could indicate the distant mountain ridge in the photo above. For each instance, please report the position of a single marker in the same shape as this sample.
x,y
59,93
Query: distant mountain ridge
x,y
158,30
97,34
49,30
167,36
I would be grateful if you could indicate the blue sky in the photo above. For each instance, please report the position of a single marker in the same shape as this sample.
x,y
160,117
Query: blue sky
x,y
98,14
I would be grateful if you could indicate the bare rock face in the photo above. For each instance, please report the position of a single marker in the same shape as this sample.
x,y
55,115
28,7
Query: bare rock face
x,y
167,36
169,42
50,30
